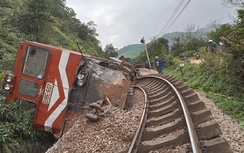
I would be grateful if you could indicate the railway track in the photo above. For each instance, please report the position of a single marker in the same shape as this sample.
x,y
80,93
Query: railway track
x,y
175,120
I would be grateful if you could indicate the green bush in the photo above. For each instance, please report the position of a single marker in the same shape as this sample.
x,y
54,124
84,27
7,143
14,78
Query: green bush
x,y
213,76
17,133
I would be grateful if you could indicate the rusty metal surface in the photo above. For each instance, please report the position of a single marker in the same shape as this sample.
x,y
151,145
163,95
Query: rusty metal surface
x,y
138,135
105,78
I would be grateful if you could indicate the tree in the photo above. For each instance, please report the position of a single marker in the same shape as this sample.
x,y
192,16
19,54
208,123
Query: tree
x,y
92,28
177,47
36,20
164,42
189,42
157,47
229,67
57,8
236,64
223,30
110,51
83,32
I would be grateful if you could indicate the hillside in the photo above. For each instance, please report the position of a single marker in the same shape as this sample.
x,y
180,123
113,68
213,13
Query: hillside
x,y
132,51
130,47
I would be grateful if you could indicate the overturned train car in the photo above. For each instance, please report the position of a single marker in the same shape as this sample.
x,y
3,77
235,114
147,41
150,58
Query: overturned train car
x,y
53,82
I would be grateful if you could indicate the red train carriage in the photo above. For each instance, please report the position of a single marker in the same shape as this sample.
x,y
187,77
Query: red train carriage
x,y
50,81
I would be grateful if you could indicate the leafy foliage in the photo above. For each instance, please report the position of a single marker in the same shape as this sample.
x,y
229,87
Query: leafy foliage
x,y
214,77
189,42
44,21
49,22
110,51
16,130
220,74
158,48
232,60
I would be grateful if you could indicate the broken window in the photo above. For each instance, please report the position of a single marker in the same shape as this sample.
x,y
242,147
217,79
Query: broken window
x,y
35,62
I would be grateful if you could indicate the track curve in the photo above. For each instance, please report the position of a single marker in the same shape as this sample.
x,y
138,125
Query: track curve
x,y
175,119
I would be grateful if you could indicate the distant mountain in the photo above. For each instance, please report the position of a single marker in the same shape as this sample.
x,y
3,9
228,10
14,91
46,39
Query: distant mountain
x,y
132,51
172,35
203,31
130,47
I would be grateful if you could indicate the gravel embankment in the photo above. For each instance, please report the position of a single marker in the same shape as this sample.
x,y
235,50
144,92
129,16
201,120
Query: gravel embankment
x,y
112,133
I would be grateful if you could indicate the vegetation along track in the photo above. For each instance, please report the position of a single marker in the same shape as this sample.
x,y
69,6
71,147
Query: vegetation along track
x,y
175,119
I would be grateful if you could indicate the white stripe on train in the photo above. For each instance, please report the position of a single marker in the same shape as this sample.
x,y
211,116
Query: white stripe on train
x,y
62,69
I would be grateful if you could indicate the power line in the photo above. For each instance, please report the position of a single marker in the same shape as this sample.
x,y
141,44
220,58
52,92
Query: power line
x,y
177,16
173,14
177,8
171,17
167,7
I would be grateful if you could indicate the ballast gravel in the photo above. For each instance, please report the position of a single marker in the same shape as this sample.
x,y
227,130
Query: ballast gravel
x,y
114,131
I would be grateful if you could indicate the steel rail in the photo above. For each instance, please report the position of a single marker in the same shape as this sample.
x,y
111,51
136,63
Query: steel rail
x,y
133,147
189,123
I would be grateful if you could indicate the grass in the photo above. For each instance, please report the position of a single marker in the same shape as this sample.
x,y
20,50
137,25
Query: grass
x,y
229,105
214,86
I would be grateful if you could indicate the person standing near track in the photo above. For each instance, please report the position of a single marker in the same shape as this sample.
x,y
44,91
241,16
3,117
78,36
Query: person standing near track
x,y
159,65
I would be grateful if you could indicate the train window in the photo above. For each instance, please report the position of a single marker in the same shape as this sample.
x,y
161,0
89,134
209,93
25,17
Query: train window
x,y
28,88
35,62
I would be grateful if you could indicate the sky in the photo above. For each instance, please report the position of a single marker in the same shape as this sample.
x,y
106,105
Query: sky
x,y
125,22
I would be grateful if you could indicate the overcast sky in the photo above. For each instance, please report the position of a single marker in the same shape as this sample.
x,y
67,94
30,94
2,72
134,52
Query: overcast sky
x,y
125,22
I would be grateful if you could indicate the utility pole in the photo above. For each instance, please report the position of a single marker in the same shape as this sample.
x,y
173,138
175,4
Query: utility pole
x,y
148,59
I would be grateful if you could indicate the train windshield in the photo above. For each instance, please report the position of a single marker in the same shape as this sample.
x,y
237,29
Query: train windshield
x,y
35,62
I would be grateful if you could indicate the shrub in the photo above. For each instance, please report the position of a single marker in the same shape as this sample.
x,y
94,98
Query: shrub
x,y
17,133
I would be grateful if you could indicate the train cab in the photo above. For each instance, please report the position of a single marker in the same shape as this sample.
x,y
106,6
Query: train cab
x,y
49,81
42,77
